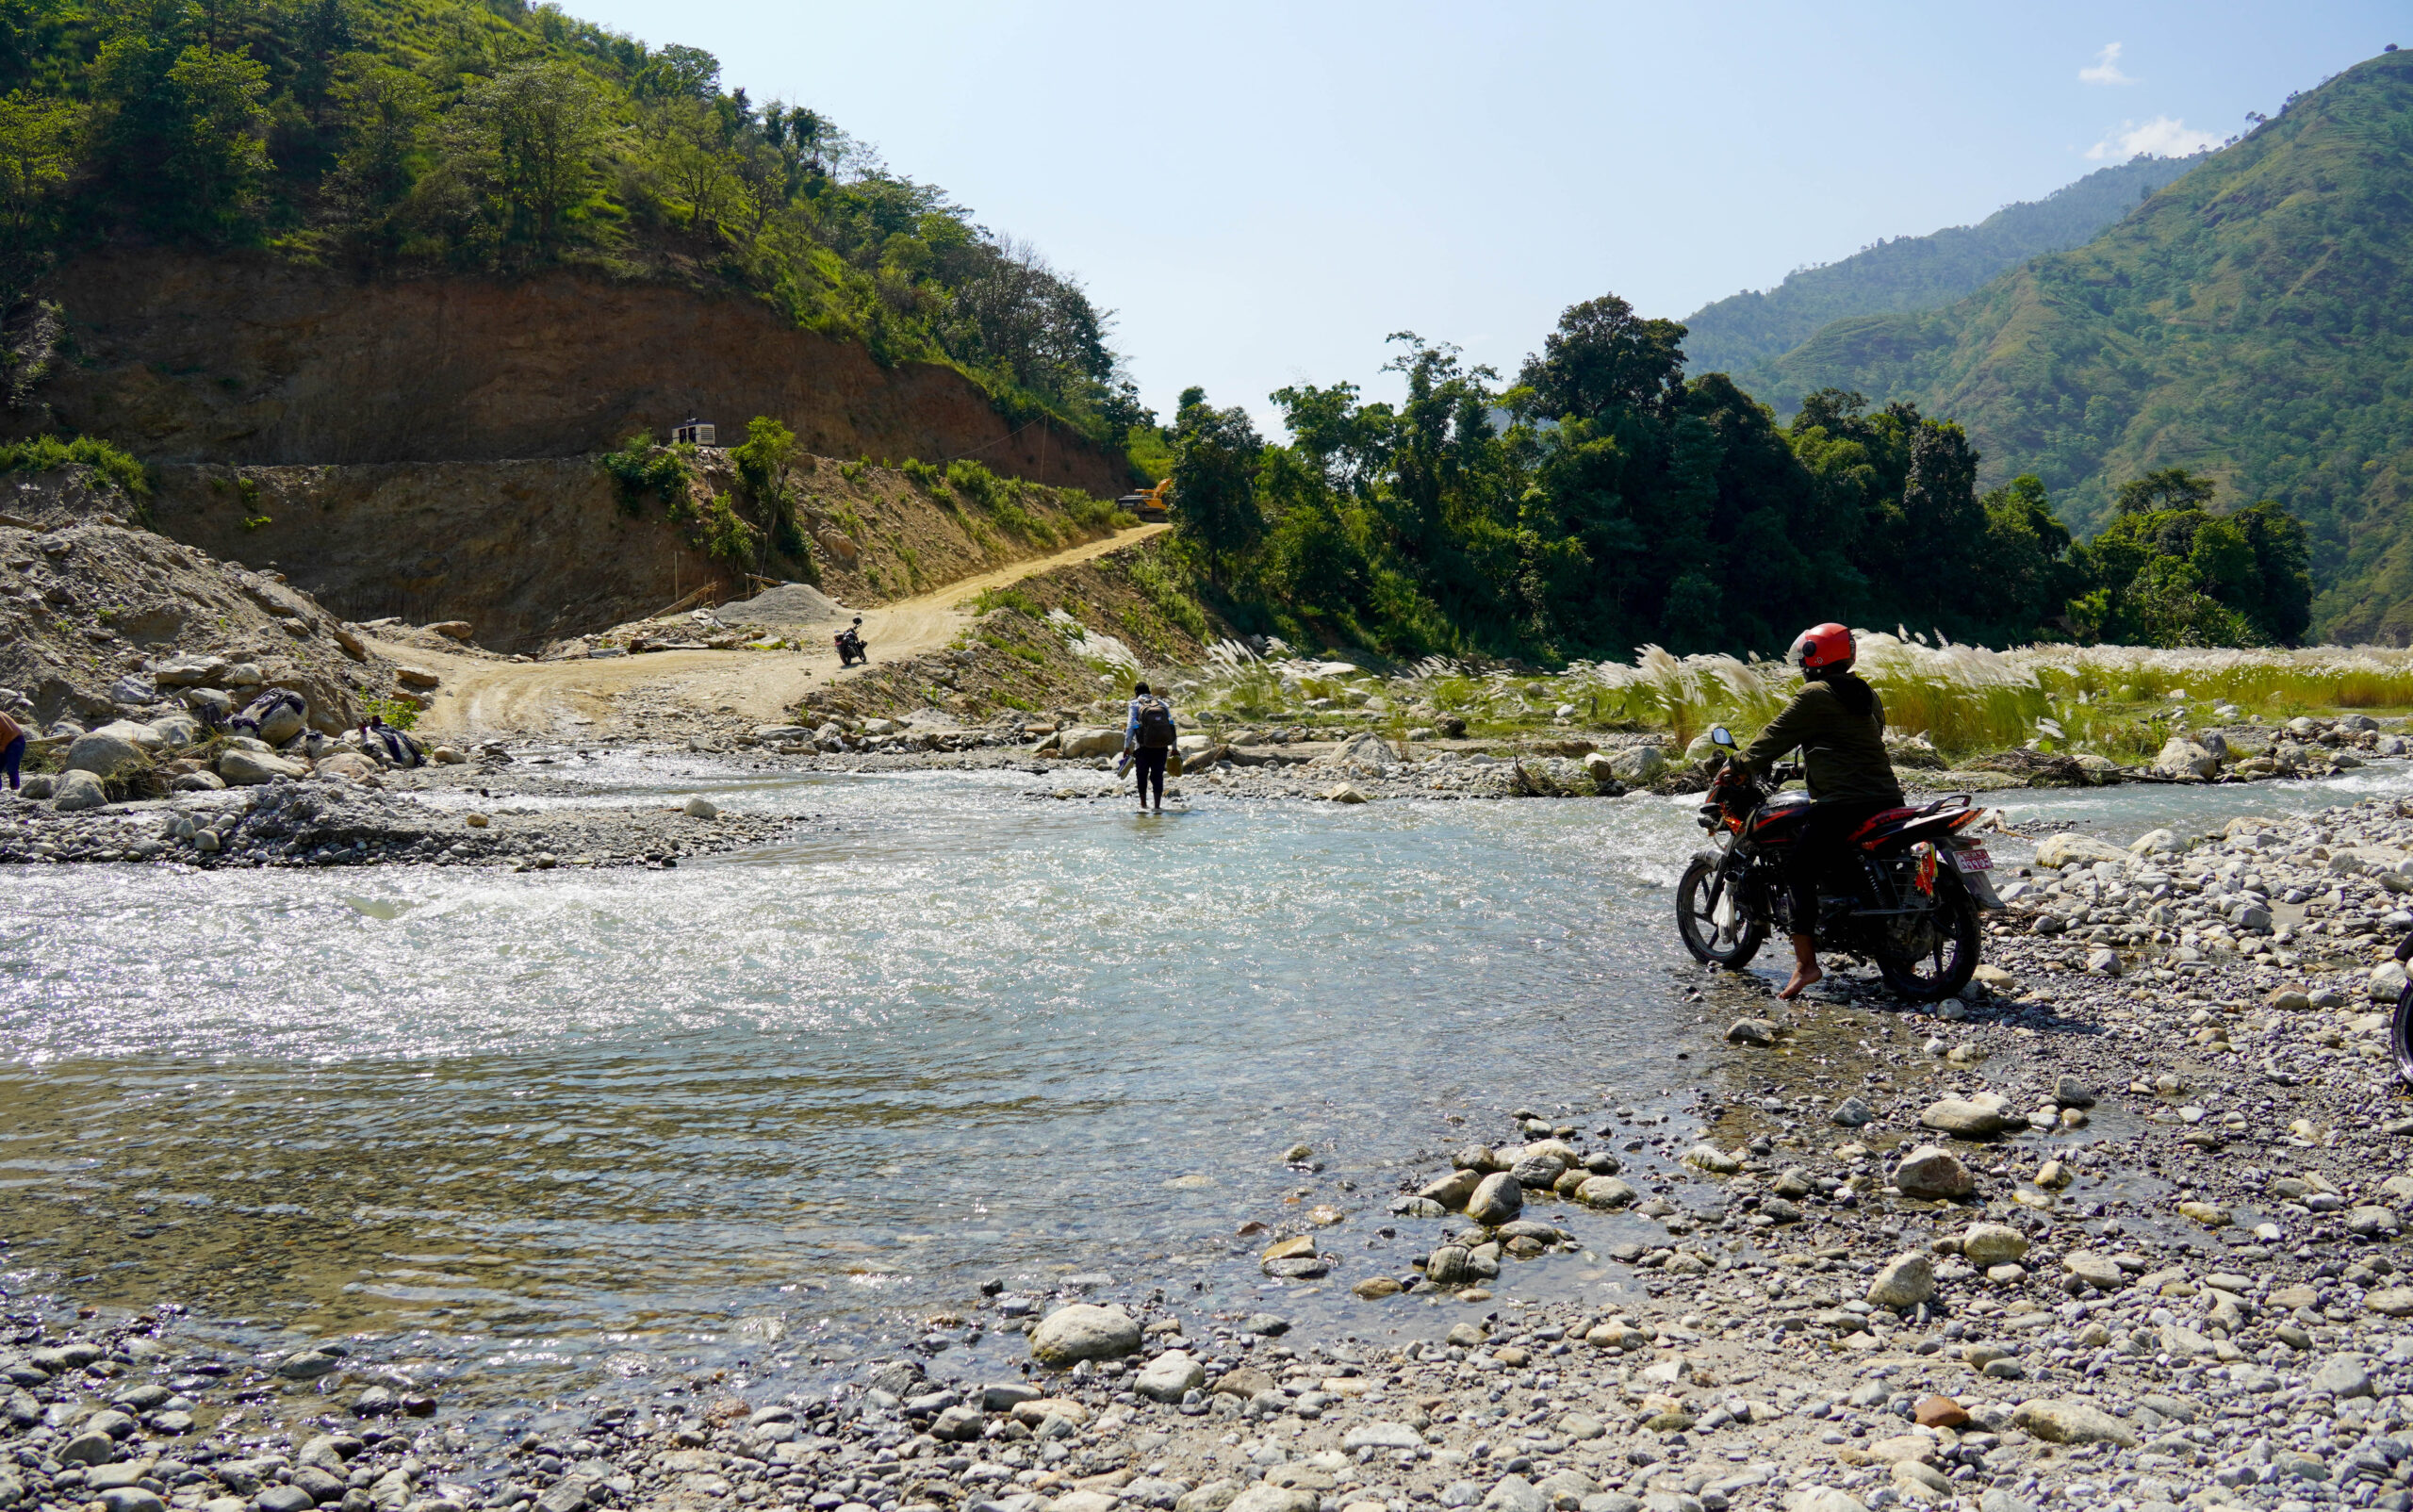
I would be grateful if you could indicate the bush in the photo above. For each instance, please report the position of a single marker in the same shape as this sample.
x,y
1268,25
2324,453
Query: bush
x,y
395,712
1013,598
927,474
112,466
643,465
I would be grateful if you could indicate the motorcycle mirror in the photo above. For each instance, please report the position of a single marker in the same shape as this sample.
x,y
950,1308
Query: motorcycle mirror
x,y
1721,735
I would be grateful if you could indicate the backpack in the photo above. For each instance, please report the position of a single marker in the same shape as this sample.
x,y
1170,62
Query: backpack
x,y
1156,724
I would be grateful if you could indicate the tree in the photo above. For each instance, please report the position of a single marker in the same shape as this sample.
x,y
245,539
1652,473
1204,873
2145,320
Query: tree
x,y
528,139
1603,359
180,131
763,460
37,150
2279,602
2026,580
1214,481
2169,489
385,114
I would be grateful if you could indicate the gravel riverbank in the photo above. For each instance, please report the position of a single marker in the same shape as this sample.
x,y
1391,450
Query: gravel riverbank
x,y
2120,1231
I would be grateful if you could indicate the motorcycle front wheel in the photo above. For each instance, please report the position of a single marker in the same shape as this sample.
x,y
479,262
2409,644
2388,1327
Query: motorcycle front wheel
x,y
1719,935
1943,957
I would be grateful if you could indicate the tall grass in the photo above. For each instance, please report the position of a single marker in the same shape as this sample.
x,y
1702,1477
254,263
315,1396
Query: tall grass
x,y
2112,701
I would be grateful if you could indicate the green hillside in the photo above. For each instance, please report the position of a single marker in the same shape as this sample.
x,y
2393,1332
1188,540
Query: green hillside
x,y
418,137
1740,333
2252,322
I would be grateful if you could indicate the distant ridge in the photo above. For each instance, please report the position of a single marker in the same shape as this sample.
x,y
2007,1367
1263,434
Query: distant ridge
x,y
1740,334
2252,322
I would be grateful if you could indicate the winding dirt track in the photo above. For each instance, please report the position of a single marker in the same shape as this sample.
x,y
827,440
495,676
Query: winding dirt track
x,y
482,699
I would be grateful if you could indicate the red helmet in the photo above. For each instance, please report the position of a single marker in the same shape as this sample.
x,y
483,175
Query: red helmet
x,y
1823,649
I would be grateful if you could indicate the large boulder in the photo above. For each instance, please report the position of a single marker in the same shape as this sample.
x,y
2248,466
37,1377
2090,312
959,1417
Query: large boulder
x,y
1364,750
1605,1192
78,790
1170,1376
250,768
1089,740
2373,861
1991,1244
282,724
175,731
2072,1423
111,749
1083,1331
2065,849
1970,1119
188,671
1933,1172
2181,757
1903,1282
1640,765
1497,1200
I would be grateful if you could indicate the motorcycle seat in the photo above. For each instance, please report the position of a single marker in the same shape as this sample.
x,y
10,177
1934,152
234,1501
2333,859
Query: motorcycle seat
x,y
1878,826
1886,818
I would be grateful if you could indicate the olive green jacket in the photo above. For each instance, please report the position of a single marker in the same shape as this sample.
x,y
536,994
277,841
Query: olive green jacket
x,y
1844,752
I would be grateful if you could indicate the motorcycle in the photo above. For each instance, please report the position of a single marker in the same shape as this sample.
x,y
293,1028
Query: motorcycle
x,y
1906,894
851,649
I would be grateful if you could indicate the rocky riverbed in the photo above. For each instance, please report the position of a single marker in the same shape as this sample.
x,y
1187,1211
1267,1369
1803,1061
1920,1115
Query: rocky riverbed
x,y
2121,1228
467,815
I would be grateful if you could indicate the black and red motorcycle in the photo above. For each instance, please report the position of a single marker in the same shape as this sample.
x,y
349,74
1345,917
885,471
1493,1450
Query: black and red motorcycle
x,y
1906,892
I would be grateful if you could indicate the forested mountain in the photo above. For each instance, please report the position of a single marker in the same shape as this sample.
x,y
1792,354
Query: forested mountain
x,y
1739,334
422,137
2252,322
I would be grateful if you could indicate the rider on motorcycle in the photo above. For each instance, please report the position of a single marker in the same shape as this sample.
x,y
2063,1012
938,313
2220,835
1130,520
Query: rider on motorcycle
x,y
1840,724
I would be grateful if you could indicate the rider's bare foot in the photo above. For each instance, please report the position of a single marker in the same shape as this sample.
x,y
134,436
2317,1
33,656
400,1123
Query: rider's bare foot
x,y
1805,976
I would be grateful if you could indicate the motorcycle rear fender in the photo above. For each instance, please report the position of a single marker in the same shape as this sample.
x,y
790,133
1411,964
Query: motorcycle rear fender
x,y
1982,890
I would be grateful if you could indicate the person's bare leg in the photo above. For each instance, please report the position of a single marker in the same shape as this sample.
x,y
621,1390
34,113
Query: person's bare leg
x,y
1805,967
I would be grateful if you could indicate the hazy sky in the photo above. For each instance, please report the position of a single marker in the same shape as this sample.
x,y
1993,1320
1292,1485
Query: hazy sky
x,y
1262,192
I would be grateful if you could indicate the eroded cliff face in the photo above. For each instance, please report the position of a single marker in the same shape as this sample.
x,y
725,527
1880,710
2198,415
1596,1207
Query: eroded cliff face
x,y
248,360
539,550
526,550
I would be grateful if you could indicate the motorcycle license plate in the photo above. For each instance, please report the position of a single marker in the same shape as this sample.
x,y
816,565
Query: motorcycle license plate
x,y
1973,861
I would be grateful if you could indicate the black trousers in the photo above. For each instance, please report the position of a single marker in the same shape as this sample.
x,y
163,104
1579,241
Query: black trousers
x,y
1150,763
1824,837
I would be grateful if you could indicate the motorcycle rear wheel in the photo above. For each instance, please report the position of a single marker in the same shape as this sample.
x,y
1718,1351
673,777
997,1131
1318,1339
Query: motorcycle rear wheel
x,y
1949,960
1719,937
2400,1035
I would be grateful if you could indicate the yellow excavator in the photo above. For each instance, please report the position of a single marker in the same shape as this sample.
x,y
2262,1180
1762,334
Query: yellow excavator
x,y
1153,506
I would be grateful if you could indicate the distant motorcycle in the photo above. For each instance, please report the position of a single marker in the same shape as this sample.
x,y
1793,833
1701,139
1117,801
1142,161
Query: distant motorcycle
x,y
850,646
1907,896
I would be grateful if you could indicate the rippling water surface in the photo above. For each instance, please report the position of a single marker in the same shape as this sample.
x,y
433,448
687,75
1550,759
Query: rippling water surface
x,y
586,1121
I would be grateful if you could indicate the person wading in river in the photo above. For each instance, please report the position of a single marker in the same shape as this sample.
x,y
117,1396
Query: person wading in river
x,y
1148,740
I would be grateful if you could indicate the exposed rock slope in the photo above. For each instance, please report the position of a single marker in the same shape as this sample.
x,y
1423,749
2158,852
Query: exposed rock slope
x,y
248,360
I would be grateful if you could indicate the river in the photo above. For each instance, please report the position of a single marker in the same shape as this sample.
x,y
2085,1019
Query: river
x,y
770,1111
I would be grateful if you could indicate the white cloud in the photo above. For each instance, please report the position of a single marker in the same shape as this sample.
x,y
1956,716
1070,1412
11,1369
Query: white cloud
x,y
2105,69
2161,136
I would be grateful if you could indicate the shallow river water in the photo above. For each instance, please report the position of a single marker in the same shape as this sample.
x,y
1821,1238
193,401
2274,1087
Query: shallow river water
x,y
776,1106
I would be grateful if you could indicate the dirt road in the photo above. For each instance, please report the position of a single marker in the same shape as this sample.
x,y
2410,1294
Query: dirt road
x,y
618,695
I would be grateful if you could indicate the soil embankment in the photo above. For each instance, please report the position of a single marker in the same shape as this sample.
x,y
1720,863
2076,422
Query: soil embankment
x,y
247,360
540,549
